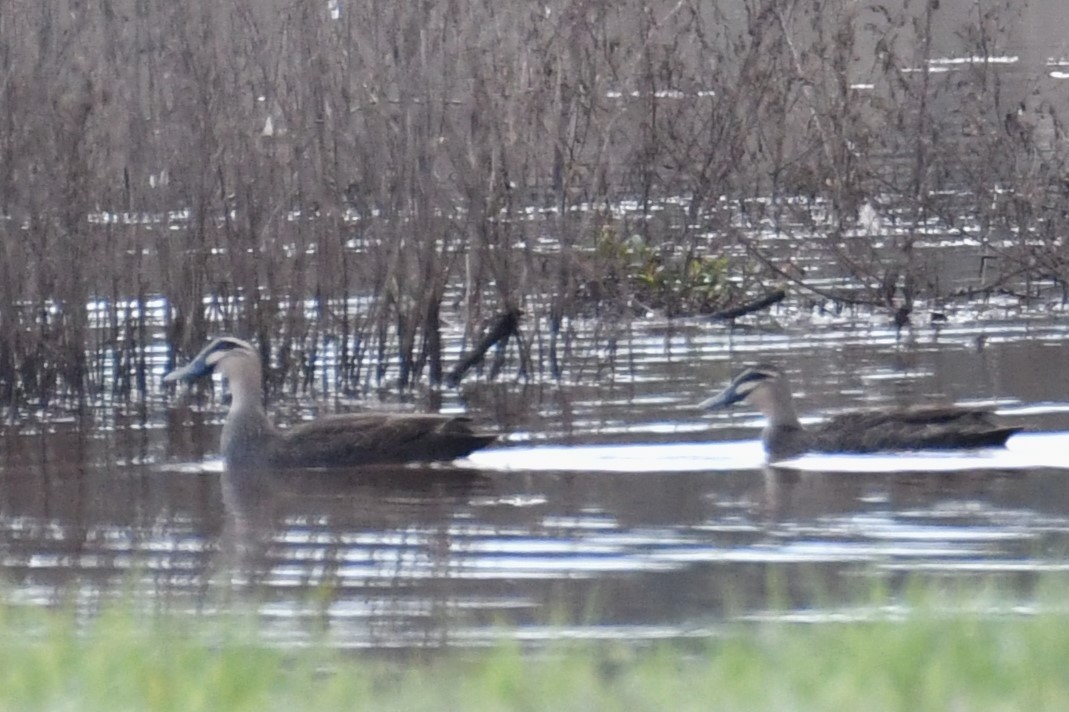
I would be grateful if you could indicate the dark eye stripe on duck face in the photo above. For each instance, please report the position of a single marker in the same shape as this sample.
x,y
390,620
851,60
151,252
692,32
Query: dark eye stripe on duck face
x,y
227,344
223,347
752,377
744,389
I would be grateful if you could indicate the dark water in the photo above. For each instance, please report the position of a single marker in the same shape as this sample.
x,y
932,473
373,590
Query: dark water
x,y
666,529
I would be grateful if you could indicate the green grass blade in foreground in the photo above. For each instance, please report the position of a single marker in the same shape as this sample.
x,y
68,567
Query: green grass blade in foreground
x,y
932,659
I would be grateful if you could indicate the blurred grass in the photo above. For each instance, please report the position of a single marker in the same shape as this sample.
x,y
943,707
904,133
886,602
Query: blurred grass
x,y
935,657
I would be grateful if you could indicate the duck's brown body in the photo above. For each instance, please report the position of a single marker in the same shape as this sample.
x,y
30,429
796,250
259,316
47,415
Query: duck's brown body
x,y
352,439
250,440
919,428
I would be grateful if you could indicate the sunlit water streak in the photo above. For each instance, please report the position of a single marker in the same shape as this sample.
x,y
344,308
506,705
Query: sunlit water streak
x,y
1023,452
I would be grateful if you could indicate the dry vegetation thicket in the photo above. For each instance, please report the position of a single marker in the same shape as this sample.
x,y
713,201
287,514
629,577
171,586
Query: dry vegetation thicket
x,y
354,174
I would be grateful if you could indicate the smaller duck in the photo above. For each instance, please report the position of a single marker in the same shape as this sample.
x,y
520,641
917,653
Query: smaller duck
x,y
920,428
250,440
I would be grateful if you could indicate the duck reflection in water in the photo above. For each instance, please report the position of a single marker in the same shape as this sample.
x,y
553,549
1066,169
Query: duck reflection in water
x,y
380,515
250,440
919,428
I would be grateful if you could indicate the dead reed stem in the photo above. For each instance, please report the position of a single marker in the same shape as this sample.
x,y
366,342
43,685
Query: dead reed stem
x,y
362,176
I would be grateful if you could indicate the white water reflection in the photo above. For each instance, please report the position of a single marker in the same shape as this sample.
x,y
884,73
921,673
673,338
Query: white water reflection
x,y
653,459
1023,451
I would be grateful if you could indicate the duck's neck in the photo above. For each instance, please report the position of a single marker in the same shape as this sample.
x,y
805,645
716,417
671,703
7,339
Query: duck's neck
x,y
776,404
247,433
247,436
783,435
246,385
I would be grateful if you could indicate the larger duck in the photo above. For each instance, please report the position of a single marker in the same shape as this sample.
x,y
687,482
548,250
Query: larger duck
x,y
920,428
249,439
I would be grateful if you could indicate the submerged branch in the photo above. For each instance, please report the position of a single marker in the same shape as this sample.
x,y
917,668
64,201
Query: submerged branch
x,y
505,326
749,307
833,295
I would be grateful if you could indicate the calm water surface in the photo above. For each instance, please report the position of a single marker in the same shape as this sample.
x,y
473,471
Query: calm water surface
x,y
610,509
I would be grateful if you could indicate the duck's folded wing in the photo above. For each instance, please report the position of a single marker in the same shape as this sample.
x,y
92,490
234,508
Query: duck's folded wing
x,y
919,428
361,439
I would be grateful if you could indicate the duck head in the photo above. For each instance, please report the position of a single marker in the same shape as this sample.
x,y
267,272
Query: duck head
x,y
220,353
238,362
765,387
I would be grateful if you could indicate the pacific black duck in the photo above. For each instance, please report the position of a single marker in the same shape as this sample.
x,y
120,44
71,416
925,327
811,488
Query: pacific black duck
x,y
919,428
249,438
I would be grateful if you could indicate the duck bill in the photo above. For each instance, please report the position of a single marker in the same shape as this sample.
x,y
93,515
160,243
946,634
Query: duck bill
x,y
727,397
197,368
